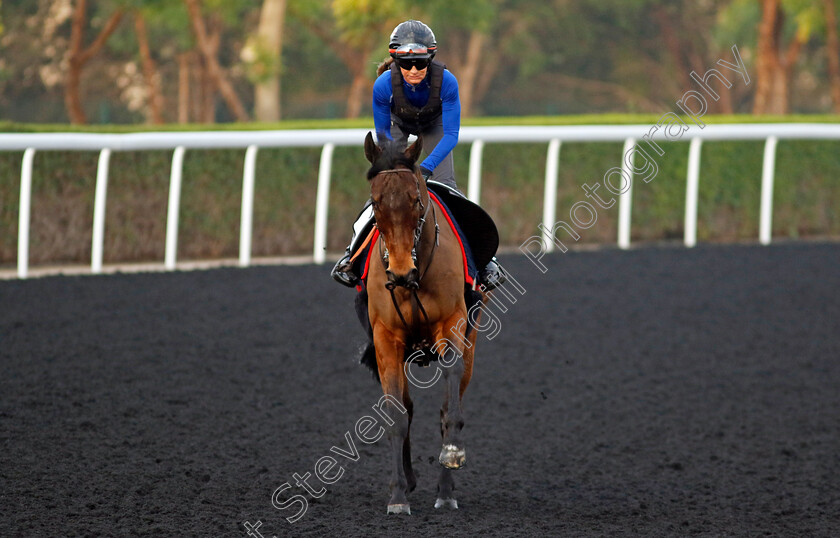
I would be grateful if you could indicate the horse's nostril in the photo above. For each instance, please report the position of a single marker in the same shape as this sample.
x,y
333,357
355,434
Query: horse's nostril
x,y
413,279
392,280
410,281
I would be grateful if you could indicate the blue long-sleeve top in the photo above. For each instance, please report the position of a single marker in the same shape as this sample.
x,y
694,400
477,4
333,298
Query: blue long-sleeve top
x,y
419,96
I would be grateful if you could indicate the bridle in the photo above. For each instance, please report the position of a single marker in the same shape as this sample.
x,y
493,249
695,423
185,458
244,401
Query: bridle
x,y
418,233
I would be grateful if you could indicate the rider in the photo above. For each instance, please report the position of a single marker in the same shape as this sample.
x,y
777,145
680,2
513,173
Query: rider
x,y
416,95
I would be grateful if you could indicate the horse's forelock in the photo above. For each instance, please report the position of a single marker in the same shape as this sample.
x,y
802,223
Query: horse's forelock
x,y
392,156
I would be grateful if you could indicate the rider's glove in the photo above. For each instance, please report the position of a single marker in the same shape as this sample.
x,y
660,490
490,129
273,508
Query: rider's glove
x,y
426,173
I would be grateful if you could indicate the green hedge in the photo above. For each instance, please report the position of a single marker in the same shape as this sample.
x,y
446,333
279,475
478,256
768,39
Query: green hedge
x,y
806,201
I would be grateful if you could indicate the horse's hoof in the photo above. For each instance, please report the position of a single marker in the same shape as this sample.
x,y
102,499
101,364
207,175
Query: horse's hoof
x,y
449,503
452,457
399,509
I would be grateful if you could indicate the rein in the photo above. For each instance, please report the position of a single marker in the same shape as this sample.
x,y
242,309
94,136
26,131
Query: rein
x,y
390,286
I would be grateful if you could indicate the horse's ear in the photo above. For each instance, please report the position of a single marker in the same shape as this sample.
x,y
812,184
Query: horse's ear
x,y
413,151
372,151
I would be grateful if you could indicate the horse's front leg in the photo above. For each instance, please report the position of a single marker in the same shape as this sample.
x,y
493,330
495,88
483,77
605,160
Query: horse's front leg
x,y
389,358
411,478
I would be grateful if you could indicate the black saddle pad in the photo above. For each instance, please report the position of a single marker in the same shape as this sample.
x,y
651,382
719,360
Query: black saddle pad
x,y
476,224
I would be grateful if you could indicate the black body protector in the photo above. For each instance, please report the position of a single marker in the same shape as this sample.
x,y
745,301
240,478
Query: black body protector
x,y
409,118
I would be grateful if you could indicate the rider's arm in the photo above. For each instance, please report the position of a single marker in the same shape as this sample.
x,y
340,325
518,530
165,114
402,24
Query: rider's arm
x,y
382,106
451,105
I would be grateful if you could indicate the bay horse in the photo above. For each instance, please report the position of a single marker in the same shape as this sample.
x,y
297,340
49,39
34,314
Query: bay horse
x,y
416,303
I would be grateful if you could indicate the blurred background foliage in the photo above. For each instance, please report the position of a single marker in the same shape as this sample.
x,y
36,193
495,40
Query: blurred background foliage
x,y
205,61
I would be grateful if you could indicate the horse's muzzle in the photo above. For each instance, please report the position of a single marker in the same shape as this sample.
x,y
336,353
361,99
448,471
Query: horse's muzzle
x,y
410,281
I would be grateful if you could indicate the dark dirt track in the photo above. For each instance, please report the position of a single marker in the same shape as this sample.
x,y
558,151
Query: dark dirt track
x,y
655,392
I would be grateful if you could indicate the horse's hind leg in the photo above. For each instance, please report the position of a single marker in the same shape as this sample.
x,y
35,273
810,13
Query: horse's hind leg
x,y
452,455
457,371
389,354
446,485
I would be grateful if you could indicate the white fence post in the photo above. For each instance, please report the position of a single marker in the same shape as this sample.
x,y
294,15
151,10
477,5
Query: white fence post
x,y
474,187
175,176
692,185
768,172
99,211
247,218
322,204
552,161
625,200
23,217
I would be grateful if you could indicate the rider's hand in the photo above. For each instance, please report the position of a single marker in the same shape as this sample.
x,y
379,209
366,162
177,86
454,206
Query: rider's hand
x,y
426,173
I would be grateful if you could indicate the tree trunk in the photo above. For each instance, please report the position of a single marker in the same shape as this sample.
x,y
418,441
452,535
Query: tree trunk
x,y
767,54
78,56
206,93
673,44
485,77
774,72
724,106
214,70
184,87
207,85
270,36
468,76
150,72
356,95
832,52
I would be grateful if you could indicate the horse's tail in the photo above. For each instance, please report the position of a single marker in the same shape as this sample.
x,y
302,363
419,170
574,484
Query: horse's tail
x,y
384,66
368,359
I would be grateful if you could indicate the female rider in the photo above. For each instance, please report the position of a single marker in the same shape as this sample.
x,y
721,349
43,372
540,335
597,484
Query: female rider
x,y
416,95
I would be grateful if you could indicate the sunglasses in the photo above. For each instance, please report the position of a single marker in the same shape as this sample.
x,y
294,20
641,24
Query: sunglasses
x,y
408,63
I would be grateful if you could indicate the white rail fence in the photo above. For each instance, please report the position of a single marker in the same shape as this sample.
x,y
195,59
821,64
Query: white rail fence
x,y
105,144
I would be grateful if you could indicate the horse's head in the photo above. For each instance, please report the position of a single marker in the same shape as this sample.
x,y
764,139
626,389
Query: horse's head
x,y
400,201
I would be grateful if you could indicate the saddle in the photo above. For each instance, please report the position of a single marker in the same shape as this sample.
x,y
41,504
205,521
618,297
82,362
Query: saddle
x,y
478,227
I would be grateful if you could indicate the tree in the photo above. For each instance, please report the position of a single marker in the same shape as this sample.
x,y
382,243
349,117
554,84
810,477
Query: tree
x,y
363,25
208,47
468,50
832,51
263,55
150,71
353,30
775,60
691,49
78,56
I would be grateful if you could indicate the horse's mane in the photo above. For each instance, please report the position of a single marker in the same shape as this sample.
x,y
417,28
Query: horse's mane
x,y
392,156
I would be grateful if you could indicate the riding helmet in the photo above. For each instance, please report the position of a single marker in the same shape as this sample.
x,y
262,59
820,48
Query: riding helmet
x,y
412,39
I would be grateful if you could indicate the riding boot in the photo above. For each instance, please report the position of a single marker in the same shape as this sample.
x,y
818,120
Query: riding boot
x,y
343,271
492,276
